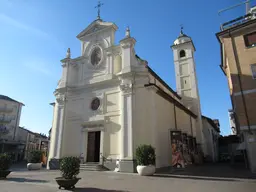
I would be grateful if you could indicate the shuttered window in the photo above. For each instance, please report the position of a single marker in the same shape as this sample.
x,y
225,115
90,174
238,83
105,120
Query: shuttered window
x,y
253,68
250,39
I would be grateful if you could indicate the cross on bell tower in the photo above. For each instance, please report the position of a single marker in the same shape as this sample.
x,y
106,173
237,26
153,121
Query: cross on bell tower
x,y
98,7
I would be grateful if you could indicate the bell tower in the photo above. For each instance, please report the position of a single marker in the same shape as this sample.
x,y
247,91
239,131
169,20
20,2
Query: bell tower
x,y
186,79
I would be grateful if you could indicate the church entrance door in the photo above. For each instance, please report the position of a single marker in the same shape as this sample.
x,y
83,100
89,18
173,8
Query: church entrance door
x,y
93,147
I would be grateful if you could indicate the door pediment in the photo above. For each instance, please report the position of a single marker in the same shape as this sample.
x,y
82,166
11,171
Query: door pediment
x,y
94,124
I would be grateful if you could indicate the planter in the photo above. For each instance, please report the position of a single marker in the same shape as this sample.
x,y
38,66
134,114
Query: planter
x,y
146,170
4,173
66,183
34,166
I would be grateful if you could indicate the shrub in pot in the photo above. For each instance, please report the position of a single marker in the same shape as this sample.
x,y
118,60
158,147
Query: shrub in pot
x,y
70,168
35,160
5,164
146,158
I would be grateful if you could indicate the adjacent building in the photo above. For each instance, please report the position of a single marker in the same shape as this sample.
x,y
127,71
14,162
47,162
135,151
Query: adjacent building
x,y
232,123
10,112
32,141
211,133
238,62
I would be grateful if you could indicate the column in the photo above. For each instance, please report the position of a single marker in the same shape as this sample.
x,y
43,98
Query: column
x,y
54,133
60,132
126,142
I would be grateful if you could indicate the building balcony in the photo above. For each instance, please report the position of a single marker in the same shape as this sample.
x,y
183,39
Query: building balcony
x,y
238,21
5,109
6,119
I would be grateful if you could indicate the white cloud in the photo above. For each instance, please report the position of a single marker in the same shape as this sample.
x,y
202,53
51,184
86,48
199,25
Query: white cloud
x,y
15,23
38,66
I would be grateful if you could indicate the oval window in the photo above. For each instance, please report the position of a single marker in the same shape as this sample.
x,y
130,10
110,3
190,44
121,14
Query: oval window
x,y
96,56
95,104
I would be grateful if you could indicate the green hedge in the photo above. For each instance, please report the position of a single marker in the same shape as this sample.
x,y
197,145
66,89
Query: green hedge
x,y
5,161
35,157
70,167
145,155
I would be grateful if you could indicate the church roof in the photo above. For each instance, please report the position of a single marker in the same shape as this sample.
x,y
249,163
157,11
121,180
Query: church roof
x,y
169,98
4,97
163,82
96,25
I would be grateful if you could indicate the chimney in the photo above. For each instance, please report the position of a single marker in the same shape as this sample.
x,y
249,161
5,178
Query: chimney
x,y
247,5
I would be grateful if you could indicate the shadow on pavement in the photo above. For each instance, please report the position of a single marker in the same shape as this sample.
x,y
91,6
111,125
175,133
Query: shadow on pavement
x,y
86,189
195,178
217,171
21,180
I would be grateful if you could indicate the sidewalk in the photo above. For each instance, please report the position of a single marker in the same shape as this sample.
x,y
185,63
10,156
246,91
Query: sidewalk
x,y
218,170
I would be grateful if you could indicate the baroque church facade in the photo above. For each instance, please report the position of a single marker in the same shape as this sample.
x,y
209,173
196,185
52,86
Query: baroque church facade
x,y
109,101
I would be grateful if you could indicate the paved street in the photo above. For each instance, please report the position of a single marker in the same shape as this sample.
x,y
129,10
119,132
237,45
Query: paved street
x,y
43,181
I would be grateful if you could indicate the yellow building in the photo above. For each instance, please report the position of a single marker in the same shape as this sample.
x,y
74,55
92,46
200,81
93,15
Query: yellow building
x,y
238,61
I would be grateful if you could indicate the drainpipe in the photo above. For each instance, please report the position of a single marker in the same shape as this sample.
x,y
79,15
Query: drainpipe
x,y
175,119
19,107
191,126
238,67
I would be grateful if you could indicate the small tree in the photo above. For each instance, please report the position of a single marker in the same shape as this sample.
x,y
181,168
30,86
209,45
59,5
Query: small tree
x,y
35,157
145,155
70,167
5,161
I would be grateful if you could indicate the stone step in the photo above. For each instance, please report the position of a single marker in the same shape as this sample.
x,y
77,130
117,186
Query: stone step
x,y
92,167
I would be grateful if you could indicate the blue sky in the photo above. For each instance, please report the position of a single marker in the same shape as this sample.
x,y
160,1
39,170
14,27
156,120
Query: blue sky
x,y
35,35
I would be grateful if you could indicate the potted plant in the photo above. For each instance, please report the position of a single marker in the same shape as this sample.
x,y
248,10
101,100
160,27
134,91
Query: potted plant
x,y
69,167
35,160
5,164
146,158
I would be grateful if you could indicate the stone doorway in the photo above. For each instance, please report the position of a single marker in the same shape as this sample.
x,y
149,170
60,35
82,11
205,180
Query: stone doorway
x,y
93,146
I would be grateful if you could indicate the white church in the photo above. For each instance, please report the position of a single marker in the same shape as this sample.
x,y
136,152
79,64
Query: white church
x,y
109,101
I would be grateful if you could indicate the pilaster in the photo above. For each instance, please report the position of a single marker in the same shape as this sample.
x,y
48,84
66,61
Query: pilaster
x,y
126,141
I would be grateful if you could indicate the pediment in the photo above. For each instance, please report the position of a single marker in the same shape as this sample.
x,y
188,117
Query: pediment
x,y
96,26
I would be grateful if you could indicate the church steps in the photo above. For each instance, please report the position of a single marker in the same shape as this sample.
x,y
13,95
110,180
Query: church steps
x,y
92,167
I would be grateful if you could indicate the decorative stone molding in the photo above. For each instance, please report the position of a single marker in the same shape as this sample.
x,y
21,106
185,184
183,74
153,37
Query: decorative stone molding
x,y
127,42
60,98
126,87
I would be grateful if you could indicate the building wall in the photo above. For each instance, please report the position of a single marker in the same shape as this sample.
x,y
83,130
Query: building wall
x,y
11,111
246,57
250,145
236,54
23,134
142,131
155,119
165,122
79,111
183,121
211,138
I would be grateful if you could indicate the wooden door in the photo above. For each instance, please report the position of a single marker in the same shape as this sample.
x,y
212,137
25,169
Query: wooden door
x,y
91,147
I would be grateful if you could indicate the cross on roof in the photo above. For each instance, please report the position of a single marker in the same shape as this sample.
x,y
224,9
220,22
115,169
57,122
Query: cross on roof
x,y
181,29
98,7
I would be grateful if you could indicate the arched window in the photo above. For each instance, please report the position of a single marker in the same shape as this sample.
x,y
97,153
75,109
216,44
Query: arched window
x,y
182,53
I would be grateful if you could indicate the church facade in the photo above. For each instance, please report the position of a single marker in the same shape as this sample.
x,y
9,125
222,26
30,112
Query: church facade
x,y
109,101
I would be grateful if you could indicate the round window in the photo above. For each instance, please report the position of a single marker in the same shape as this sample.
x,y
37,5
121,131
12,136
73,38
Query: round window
x,y
96,56
95,104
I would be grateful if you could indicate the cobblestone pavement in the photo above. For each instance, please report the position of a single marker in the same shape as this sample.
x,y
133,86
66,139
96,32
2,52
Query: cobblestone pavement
x,y
43,181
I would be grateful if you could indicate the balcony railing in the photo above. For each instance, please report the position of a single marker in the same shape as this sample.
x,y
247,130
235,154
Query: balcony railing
x,y
6,119
6,109
238,21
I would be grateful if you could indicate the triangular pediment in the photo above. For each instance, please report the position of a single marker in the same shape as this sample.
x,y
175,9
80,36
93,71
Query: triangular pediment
x,y
96,26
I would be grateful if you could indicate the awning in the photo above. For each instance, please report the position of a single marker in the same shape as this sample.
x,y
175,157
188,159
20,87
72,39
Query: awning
x,y
241,146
